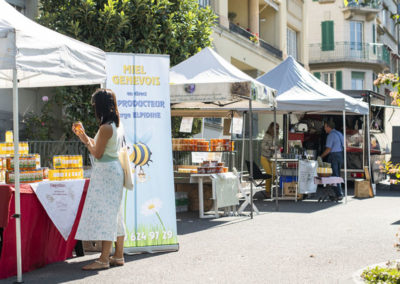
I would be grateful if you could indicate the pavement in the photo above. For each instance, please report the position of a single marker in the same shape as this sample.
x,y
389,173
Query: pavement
x,y
303,242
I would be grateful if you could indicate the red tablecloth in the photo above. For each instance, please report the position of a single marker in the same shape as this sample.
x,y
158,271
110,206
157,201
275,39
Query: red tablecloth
x,y
41,241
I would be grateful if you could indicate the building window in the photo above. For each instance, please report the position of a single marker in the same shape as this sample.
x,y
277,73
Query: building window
x,y
356,35
204,3
329,78
357,80
291,43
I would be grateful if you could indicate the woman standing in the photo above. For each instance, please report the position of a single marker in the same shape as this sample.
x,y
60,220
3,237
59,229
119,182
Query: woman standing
x,y
267,152
102,217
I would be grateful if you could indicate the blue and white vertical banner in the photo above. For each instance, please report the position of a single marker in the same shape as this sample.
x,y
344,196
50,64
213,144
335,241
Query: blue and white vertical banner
x,y
141,84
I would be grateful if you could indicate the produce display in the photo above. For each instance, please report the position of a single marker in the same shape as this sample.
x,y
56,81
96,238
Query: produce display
x,y
324,169
191,144
65,167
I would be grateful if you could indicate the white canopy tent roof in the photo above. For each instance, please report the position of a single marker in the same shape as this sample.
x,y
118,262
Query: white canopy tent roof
x,y
44,58
299,91
207,77
34,56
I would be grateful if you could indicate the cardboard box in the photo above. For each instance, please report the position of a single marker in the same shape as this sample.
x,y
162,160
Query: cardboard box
x,y
289,188
361,188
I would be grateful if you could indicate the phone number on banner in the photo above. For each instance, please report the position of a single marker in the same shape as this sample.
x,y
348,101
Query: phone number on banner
x,y
151,235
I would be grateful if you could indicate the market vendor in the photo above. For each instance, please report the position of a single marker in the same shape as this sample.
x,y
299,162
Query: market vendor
x,y
334,148
267,152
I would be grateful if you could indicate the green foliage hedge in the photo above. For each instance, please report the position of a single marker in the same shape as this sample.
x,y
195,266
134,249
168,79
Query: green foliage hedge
x,y
179,28
381,275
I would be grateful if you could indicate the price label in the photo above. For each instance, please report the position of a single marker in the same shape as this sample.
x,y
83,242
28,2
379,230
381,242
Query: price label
x,y
186,125
237,125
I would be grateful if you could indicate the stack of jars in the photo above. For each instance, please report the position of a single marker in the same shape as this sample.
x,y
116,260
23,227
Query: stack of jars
x,y
29,166
211,167
66,167
191,144
8,148
222,145
26,176
3,168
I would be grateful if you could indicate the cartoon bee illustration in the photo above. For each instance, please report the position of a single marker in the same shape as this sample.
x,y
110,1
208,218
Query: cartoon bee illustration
x,y
140,156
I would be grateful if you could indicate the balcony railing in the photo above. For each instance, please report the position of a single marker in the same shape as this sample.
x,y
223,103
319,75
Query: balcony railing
x,y
363,4
237,29
350,52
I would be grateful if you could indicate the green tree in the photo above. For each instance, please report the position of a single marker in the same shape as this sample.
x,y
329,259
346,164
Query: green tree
x,y
179,28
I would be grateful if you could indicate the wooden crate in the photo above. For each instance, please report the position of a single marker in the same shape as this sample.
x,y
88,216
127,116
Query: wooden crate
x,y
361,188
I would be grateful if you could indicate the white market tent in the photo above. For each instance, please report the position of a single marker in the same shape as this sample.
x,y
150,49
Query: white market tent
x,y
299,91
207,77
206,85
34,56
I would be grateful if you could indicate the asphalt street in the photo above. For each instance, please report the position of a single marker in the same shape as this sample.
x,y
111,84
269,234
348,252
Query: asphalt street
x,y
303,242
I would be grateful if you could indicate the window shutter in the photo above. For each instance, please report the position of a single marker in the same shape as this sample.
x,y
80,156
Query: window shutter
x,y
338,80
327,36
318,75
374,37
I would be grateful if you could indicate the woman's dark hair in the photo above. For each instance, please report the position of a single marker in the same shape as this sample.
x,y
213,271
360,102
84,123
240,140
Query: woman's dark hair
x,y
270,129
105,106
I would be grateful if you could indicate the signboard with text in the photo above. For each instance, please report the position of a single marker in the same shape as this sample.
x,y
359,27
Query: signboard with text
x,y
141,83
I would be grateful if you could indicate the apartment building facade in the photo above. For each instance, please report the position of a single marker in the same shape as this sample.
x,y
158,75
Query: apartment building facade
x,y
351,42
278,25
27,7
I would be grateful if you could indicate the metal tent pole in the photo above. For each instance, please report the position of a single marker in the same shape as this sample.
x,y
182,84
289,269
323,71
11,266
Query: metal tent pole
x,y
17,176
276,164
368,145
345,156
232,154
202,127
251,157
243,141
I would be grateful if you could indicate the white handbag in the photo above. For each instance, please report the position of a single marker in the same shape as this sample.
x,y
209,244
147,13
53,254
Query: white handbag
x,y
126,167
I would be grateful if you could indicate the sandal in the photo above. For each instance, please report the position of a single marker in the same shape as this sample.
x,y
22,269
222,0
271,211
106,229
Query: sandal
x,y
117,261
97,265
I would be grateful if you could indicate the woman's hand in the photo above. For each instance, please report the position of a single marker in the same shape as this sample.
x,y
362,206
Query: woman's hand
x,y
79,131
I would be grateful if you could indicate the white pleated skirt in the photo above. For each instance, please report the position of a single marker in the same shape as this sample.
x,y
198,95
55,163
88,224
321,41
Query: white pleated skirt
x,y
102,215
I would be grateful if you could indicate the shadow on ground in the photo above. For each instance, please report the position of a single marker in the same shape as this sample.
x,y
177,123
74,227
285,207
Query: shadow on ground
x,y
72,270
189,222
